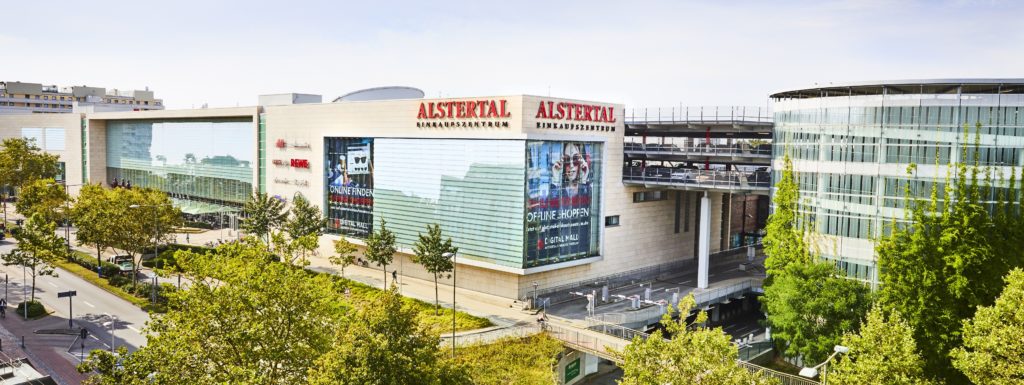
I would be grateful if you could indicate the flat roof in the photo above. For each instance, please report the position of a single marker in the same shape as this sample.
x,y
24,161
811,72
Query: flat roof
x,y
866,87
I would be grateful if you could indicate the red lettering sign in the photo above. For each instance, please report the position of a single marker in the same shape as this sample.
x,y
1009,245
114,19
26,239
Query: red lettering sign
x,y
576,112
464,109
281,143
300,163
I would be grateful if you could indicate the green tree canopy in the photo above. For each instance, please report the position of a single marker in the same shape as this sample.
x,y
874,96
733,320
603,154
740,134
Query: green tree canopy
x,y
883,353
93,214
993,348
344,254
692,355
306,219
244,320
141,219
44,197
810,308
380,248
22,162
384,345
262,214
784,238
38,247
432,252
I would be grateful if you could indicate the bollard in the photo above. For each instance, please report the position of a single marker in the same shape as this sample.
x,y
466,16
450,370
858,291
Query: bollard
x,y
22,341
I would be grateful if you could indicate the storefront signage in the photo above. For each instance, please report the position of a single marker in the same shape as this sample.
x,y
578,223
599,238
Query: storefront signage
x,y
297,182
279,162
464,113
563,201
576,116
283,144
300,163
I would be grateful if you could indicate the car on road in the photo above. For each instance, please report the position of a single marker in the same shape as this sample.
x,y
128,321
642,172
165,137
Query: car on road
x,y
125,263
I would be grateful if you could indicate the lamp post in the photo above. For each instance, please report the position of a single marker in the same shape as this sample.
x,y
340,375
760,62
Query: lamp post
x,y
454,272
156,240
813,371
67,218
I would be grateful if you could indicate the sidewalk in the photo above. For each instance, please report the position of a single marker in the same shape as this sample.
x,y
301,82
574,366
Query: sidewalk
x,y
48,353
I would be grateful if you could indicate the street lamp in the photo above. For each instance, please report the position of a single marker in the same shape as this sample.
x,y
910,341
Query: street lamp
x,y
156,240
67,209
813,371
454,272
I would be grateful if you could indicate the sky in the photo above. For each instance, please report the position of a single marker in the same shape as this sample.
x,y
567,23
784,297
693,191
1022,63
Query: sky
x,y
644,54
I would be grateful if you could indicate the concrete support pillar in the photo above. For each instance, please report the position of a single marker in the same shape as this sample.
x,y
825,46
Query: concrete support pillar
x,y
704,242
716,313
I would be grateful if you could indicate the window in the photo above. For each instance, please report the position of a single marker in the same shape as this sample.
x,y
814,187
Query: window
x,y
611,221
649,196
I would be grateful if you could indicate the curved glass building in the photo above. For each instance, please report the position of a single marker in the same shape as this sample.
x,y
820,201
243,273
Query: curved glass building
x,y
851,145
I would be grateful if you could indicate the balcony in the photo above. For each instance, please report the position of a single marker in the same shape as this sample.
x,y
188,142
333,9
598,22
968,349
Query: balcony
x,y
740,153
754,182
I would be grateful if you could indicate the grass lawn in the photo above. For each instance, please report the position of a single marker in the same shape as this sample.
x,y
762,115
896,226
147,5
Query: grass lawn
x,y
512,361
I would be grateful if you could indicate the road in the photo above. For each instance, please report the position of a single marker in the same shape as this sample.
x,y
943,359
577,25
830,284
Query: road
x,y
92,307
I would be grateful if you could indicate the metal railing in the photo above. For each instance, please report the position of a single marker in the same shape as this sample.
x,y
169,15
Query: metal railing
x,y
784,378
716,294
764,150
749,350
698,178
644,315
490,336
687,114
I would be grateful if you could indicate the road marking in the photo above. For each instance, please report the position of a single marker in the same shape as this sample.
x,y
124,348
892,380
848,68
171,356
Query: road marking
x,y
87,303
134,329
52,284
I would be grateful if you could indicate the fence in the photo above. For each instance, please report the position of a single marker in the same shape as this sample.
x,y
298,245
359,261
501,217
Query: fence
x,y
699,178
490,336
699,114
704,150
714,295
784,379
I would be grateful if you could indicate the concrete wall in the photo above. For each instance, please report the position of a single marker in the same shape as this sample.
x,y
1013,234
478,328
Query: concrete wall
x,y
11,125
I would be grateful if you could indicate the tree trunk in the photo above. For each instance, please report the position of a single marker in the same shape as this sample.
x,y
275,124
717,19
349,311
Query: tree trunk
x,y
33,297
437,300
385,276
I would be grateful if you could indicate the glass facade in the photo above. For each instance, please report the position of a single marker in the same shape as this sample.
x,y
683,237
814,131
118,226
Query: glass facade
x,y
206,166
509,202
851,152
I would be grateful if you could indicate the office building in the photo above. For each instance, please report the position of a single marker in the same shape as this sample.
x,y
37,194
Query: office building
x,y
21,98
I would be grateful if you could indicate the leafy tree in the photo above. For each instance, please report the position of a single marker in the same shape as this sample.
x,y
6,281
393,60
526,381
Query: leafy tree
x,y
140,219
945,258
430,252
303,247
44,197
93,214
22,162
380,248
38,248
385,345
305,219
993,348
244,320
809,309
692,355
883,352
344,254
263,214
784,239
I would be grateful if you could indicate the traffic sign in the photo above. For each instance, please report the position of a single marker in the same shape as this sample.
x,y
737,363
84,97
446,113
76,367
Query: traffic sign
x,y
70,293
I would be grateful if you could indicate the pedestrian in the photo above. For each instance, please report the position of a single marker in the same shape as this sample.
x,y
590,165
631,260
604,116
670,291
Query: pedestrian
x,y
394,275
187,241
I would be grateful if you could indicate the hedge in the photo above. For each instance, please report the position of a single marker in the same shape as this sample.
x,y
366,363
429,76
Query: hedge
x,y
35,309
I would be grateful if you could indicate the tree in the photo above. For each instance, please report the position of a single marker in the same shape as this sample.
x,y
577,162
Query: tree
x,y
263,214
38,248
385,345
93,214
784,239
344,254
693,354
139,218
244,320
883,352
22,162
993,349
809,309
44,197
380,248
305,219
945,258
432,252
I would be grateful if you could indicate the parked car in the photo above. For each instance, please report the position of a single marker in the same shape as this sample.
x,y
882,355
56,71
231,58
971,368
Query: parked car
x,y
125,263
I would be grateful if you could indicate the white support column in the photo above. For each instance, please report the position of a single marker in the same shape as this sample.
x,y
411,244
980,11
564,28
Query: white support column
x,y
704,242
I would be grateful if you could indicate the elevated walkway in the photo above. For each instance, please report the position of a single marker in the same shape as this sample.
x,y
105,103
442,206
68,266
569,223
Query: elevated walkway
x,y
713,153
749,182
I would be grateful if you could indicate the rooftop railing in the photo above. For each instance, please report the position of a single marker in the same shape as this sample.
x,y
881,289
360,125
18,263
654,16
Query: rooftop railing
x,y
688,177
698,114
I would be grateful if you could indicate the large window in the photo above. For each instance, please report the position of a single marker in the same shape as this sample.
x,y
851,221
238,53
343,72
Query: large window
x,y
204,165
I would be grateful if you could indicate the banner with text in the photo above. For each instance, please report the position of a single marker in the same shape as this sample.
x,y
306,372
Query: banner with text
x,y
349,181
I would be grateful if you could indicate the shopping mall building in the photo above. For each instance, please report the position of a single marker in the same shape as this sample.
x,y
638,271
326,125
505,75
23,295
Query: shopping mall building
x,y
531,189
851,145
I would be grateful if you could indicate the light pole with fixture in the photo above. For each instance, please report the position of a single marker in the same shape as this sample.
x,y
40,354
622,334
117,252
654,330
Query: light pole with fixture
x,y
156,236
67,210
813,371
454,272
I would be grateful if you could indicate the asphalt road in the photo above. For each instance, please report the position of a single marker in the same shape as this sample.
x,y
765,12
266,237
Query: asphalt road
x,y
93,307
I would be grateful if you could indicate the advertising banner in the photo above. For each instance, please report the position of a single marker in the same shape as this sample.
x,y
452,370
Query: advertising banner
x,y
563,201
349,181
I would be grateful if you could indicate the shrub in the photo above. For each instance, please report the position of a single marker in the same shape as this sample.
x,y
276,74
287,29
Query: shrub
x,y
119,280
35,309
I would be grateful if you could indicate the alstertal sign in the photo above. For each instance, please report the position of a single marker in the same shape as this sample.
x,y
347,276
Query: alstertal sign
x,y
575,116
464,113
